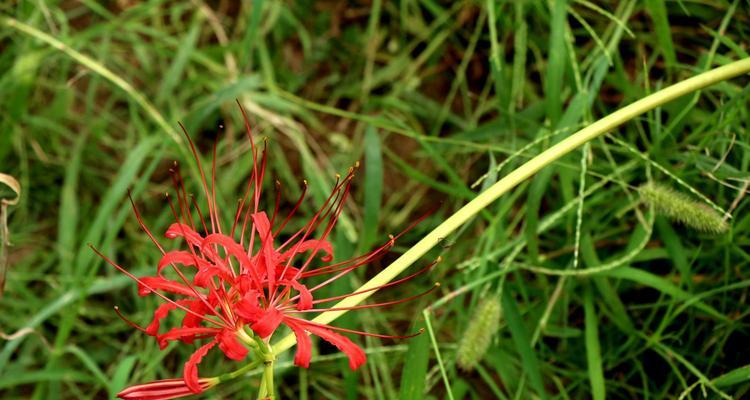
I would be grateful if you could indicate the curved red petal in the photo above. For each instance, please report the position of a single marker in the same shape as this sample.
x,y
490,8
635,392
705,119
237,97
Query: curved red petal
x,y
204,275
161,312
186,335
185,231
248,308
288,271
262,225
311,244
268,323
191,320
190,372
149,283
231,247
183,257
232,348
356,355
267,256
304,344
305,297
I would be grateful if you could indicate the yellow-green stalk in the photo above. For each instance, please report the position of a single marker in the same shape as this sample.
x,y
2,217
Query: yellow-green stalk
x,y
522,173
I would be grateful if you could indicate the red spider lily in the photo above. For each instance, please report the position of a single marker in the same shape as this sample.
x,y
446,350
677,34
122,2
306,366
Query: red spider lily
x,y
228,281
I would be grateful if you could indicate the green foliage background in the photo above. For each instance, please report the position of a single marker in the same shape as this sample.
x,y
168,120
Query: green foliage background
x,y
600,297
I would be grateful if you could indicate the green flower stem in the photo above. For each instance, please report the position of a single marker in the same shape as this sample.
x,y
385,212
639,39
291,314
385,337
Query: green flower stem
x,y
241,371
523,172
266,387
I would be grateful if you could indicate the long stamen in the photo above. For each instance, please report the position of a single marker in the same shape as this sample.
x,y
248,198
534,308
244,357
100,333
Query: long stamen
x,y
174,267
181,194
365,258
310,227
188,284
200,213
129,322
294,210
276,205
237,215
254,175
203,178
373,305
323,212
213,186
303,322
331,223
143,225
154,291
389,284
317,217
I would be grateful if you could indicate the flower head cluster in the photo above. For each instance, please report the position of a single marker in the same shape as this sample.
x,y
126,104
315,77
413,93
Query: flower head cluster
x,y
235,286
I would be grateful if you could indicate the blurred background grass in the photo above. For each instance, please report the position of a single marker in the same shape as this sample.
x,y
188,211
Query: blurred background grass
x,y
430,96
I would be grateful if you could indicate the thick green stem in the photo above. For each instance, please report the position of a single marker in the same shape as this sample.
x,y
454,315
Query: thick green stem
x,y
266,386
523,172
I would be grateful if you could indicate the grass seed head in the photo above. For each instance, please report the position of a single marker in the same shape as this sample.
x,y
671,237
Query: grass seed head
x,y
478,335
682,208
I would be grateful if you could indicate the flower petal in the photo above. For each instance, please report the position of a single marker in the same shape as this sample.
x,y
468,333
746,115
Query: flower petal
x,y
288,271
185,258
186,335
232,348
304,344
248,308
204,275
267,256
311,244
305,297
356,355
190,372
267,324
181,230
161,312
231,248
149,283
191,320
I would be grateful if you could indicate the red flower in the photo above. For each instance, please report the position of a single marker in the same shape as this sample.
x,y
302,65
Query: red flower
x,y
228,281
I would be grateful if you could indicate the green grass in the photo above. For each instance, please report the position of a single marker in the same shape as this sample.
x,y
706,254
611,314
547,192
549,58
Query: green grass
x,y
601,297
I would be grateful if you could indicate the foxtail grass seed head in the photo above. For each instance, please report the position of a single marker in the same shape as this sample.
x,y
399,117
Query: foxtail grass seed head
x,y
682,208
478,335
